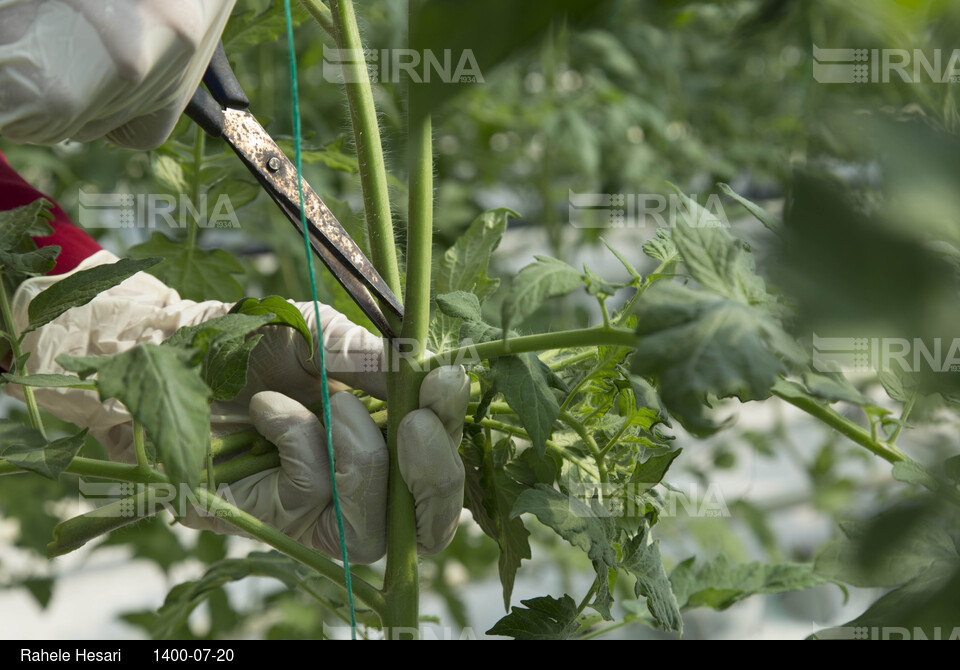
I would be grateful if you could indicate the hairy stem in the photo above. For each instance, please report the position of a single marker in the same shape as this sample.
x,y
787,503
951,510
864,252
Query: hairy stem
x,y
266,533
585,337
587,438
321,13
366,134
401,581
140,448
852,431
33,410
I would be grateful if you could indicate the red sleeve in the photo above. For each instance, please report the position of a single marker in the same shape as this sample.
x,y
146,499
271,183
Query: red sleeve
x,y
75,243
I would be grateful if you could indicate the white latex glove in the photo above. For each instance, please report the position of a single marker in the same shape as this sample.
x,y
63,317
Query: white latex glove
x,y
295,498
86,69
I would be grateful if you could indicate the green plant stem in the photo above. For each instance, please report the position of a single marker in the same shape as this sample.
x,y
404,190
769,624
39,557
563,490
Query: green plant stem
x,y
266,533
33,410
227,473
321,13
366,134
604,630
234,442
198,146
140,447
627,309
510,429
604,312
852,431
585,337
586,599
845,427
401,580
616,438
904,415
581,430
570,361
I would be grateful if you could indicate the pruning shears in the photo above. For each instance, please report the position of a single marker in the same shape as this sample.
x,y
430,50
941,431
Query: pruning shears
x,y
221,111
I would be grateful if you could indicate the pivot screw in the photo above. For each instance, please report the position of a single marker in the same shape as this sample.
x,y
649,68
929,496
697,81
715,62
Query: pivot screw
x,y
273,164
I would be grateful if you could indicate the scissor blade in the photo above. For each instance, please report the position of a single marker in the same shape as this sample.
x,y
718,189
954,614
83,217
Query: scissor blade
x,y
349,281
279,176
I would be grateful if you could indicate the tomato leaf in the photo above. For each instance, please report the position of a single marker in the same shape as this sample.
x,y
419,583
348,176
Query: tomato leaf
x,y
720,584
490,494
285,314
48,460
641,558
587,527
80,288
163,391
543,618
547,278
26,221
463,267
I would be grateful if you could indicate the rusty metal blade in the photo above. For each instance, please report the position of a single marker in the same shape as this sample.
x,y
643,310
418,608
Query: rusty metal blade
x,y
332,243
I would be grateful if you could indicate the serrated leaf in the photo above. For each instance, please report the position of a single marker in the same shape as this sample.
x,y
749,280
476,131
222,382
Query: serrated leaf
x,y
883,552
463,267
49,381
166,394
196,274
27,221
661,247
544,618
698,344
597,286
80,288
654,469
833,387
587,527
239,193
912,472
249,28
490,494
48,460
460,305
31,263
225,367
720,263
284,312
535,283
223,346
641,558
169,172
720,584
646,397
769,221
626,264
526,384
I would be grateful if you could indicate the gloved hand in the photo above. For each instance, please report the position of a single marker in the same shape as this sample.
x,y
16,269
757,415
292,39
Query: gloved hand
x,y
86,69
295,498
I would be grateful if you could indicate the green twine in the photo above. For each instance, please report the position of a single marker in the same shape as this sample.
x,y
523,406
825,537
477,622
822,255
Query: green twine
x,y
316,309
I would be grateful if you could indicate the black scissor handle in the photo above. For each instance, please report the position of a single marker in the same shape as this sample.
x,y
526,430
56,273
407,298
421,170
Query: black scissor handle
x,y
223,91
